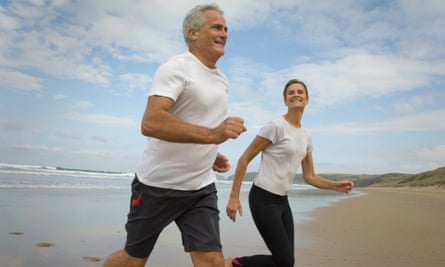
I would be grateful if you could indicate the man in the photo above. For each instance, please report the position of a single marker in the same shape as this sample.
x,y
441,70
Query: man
x,y
185,121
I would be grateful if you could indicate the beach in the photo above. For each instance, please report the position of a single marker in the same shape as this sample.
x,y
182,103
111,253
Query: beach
x,y
71,226
50,218
386,227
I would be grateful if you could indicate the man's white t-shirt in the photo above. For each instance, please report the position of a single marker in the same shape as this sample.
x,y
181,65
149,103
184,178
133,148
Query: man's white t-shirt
x,y
200,96
281,159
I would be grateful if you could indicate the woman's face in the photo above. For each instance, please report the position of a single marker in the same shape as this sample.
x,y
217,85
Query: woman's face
x,y
296,96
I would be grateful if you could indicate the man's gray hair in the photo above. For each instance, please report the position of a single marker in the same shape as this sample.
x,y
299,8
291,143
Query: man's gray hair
x,y
195,19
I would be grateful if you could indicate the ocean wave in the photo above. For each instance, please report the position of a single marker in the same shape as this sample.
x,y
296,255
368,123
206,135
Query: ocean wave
x,y
33,176
60,171
63,186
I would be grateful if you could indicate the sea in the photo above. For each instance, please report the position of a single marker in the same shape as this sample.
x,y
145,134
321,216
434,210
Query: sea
x,y
303,197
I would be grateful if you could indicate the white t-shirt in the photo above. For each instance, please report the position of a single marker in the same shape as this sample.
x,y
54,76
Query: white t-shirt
x,y
281,159
200,96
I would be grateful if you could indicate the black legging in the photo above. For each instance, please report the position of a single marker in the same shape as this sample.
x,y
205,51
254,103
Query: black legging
x,y
273,218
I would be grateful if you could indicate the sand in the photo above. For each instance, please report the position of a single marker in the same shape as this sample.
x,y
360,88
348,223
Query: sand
x,y
385,227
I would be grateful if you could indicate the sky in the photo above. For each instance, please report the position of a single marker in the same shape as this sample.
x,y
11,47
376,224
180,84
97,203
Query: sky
x,y
75,76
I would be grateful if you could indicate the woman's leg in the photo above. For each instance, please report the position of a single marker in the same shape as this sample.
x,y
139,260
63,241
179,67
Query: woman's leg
x,y
271,216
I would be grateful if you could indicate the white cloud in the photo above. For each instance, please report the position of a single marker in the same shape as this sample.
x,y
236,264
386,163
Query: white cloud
x,y
100,139
419,122
414,103
94,153
135,82
83,105
102,119
365,75
35,148
69,135
59,96
436,153
12,125
334,82
20,82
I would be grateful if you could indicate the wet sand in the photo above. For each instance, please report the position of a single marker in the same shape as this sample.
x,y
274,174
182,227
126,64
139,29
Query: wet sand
x,y
385,227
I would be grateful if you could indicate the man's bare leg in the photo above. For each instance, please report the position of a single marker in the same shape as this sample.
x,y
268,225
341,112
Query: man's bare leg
x,y
207,259
228,262
122,259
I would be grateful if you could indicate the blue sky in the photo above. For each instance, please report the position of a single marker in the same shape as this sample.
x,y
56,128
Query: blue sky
x,y
74,78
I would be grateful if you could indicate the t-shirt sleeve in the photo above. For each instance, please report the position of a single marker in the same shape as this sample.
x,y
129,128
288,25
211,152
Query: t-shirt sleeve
x,y
270,132
168,80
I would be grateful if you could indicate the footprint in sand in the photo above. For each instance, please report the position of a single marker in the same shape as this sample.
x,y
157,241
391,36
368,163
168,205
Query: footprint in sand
x,y
91,259
45,244
16,233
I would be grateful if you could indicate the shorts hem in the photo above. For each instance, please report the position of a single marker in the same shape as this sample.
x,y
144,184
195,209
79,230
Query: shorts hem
x,y
139,256
207,249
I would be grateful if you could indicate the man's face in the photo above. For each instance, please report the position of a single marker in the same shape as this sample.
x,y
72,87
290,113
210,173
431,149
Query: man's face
x,y
210,40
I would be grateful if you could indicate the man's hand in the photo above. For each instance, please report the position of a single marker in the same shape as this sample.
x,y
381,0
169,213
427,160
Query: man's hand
x,y
221,163
231,127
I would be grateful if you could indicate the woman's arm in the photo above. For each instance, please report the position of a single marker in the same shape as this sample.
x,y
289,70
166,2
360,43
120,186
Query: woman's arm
x,y
256,146
311,178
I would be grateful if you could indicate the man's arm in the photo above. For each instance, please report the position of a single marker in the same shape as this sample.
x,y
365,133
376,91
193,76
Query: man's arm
x,y
158,122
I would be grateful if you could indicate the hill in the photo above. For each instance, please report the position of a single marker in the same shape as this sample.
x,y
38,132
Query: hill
x,y
429,178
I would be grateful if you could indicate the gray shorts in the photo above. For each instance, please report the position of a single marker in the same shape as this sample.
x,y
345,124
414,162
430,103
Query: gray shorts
x,y
151,209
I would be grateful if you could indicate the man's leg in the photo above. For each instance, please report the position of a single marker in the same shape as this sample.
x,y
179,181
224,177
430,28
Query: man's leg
x,y
199,228
207,259
122,259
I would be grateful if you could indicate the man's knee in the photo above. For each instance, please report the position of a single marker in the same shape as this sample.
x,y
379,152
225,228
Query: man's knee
x,y
207,259
122,259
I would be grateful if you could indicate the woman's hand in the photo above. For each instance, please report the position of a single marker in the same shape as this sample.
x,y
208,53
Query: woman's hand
x,y
233,207
344,186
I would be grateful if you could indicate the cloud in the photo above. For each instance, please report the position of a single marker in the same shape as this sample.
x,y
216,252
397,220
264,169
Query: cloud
x,y
365,75
135,82
83,105
20,82
42,39
59,96
413,103
334,82
94,153
102,119
12,125
100,139
69,135
436,153
419,122
34,148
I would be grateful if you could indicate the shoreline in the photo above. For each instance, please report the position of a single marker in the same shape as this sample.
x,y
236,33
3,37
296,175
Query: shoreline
x,y
374,227
384,227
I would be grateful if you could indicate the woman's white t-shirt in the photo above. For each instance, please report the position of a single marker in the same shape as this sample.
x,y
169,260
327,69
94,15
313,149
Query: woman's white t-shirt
x,y
281,159
200,96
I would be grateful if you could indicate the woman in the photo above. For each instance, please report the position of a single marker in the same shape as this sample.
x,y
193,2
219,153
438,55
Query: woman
x,y
284,145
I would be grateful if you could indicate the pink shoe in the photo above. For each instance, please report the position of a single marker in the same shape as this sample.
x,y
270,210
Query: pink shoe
x,y
236,263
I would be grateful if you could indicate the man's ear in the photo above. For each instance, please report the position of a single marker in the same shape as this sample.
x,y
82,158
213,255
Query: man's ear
x,y
192,34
